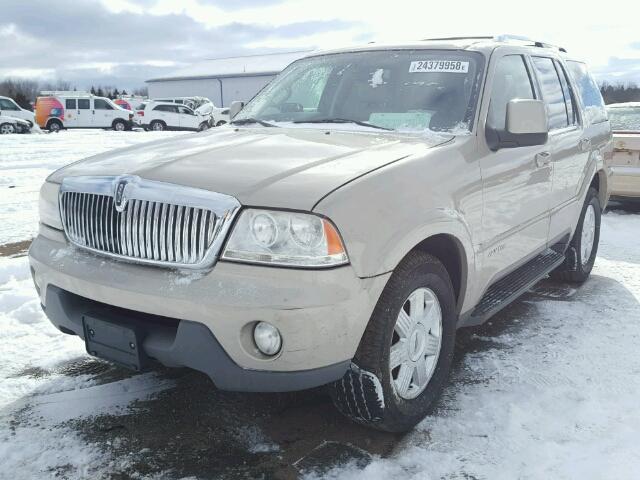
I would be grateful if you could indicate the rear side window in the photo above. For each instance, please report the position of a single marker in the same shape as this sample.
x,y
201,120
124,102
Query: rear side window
x,y
551,92
166,108
595,111
70,103
83,103
569,98
511,81
101,104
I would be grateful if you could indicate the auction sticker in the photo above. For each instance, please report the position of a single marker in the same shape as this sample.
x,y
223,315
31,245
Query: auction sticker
x,y
444,66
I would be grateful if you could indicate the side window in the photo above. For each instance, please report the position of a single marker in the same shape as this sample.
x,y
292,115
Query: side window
x,y
70,103
83,104
8,105
161,108
551,92
511,81
595,111
101,104
567,91
185,110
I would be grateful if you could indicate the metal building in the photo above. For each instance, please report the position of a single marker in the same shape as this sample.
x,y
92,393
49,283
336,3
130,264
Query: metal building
x,y
223,80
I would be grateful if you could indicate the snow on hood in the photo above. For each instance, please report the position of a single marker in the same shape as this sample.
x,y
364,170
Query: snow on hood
x,y
276,167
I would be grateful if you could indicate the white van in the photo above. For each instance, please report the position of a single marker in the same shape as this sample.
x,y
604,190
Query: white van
x,y
57,110
10,108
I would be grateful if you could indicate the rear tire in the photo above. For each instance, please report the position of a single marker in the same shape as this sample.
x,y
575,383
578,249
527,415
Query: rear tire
x,y
7,128
582,251
54,125
373,392
157,126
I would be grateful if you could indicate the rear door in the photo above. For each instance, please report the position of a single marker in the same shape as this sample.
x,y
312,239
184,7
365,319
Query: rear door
x,y
84,113
567,154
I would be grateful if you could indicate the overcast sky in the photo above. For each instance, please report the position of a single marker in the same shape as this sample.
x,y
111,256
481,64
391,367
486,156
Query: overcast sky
x,y
124,42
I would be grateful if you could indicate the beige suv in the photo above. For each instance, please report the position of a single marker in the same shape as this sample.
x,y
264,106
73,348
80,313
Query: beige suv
x,y
362,207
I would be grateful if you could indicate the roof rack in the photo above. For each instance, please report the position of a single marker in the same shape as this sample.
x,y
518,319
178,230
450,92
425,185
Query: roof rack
x,y
65,93
505,38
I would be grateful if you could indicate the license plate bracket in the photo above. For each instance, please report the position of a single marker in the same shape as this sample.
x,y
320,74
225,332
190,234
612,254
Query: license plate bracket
x,y
114,341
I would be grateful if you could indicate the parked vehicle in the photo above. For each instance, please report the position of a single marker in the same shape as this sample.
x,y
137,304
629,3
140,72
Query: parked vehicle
x,y
58,110
10,108
367,203
625,163
130,102
14,125
157,116
204,106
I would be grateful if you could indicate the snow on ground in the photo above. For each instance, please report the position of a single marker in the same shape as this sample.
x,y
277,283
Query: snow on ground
x,y
556,396
552,393
26,160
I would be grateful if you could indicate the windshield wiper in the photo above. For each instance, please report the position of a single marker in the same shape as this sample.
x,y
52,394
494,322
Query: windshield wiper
x,y
247,121
343,120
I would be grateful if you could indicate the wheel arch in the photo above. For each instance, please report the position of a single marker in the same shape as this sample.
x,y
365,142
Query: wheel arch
x,y
450,250
599,183
51,120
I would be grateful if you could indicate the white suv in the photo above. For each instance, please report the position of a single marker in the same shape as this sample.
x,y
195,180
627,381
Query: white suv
x,y
58,110
202,105
160,116
9,108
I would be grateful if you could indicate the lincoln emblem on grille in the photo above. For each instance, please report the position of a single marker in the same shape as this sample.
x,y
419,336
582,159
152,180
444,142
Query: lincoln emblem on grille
x,y
120,198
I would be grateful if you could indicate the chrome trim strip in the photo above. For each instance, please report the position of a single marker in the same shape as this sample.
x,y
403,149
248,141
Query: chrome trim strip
x,y
162,224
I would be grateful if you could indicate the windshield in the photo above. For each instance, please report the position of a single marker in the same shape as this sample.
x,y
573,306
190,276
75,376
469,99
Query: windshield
x,y
404,90
625,118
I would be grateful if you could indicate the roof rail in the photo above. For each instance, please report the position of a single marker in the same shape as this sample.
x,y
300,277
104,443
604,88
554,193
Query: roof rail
x,y
63,93
503,38
525,39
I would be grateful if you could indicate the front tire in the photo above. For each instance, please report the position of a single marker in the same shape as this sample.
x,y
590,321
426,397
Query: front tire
x,y
582,251
403,360
119,125
7,128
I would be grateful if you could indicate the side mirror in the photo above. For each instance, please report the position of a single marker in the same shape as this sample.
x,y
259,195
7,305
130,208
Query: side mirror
x,y
527,117
235,108
526,125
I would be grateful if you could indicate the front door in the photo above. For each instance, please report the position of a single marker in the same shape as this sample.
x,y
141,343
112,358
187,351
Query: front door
x,y
103,113
516,181
188,119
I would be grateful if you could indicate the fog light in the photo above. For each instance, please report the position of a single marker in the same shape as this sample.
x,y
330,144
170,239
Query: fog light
x,y
267,338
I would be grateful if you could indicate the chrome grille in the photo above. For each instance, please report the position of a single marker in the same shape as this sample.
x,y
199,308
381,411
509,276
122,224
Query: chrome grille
x,y
143,230
159,223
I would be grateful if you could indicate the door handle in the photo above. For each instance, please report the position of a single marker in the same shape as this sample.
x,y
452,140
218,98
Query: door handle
x,y
585,144
543,158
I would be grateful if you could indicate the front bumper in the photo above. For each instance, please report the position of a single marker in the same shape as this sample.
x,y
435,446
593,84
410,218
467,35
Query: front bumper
x,y
321,314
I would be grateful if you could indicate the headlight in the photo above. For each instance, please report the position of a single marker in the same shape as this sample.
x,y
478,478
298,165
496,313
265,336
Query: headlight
x,y
286,239
49,211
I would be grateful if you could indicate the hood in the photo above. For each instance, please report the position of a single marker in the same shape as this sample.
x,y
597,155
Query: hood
x,y
274,167
7,118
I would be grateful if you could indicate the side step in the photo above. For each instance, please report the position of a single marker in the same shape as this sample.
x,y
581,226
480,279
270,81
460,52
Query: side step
x,y
509,288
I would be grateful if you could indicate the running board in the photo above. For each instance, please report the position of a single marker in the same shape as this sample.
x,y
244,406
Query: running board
x,y
509,288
